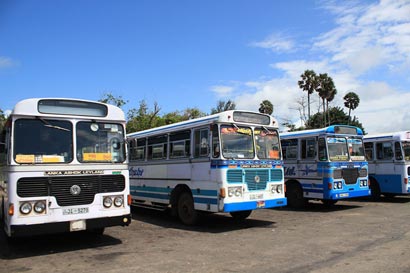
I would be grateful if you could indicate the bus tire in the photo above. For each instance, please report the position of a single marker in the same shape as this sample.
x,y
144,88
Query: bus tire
x,y
240,215
375,188
186,210
294,194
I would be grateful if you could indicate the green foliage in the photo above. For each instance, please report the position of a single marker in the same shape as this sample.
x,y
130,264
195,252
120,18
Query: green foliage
x,y
266,107
336,116
223,106
111,99
2,120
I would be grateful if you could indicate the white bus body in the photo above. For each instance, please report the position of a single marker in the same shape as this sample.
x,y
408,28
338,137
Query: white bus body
x,y
325,164
389,163
227,162
63,167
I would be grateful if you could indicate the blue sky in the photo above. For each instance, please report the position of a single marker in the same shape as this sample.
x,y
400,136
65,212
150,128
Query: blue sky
x,y
184,54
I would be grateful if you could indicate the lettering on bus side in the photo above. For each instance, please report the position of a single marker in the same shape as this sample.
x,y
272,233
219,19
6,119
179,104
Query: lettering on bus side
x,y
290,171
136,171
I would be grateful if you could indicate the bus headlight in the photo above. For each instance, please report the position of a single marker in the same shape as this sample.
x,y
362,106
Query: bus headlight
x,y
25,208
118,201
107,202
235,191
40,206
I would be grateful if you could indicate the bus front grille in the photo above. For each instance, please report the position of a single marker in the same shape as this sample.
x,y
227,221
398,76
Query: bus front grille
x,y
350,175
63,187
256,179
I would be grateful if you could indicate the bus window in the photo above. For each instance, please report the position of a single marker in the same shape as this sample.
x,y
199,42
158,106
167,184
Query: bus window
x,y
397,151
384,150
322,149
179,143
368,146
201,142
43,141
237,142
308,148
100,142
267,143
215,141
337,147
406,149
290,148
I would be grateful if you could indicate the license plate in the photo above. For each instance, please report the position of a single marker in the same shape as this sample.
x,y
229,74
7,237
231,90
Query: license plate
x,y
75,211
256,196
344,195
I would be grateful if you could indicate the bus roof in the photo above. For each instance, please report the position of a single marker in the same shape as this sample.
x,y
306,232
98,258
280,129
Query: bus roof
x,y
400,135
64,107
333,130
223,117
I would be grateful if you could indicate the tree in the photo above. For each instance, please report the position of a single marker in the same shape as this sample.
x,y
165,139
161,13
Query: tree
x,y
2,120
352,101
337,116
111,99
327,91
309,84
142,119
223,106
266,107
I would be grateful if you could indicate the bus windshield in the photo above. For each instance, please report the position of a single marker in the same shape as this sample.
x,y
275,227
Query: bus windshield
x,y
267,143
406,149
337,147
356,150
100,142
42,141
237,142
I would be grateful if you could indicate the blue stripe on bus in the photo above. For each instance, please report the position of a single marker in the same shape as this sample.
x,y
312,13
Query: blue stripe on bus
x,y
203,200
151,195
252,205
156,190
349,194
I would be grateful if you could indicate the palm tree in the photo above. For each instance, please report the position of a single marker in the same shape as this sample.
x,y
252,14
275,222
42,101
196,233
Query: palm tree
x,y
327,90
266,107
309,84
223,106
352,101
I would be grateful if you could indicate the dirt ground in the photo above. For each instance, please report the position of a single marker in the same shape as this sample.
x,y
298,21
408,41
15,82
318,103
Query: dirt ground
x,y
353,236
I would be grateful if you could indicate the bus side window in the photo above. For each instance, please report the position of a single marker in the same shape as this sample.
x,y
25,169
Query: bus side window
x,y
215,141
384,150
368,146
180,144
201,142
157,147
289,148
322,149
397,151
308,148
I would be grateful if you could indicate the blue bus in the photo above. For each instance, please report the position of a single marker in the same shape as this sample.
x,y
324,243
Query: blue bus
x,y
326,164
389,163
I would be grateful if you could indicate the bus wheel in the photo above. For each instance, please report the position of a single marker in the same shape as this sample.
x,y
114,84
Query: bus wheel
x,y
240,215
186,211
375,188
294,194
329,202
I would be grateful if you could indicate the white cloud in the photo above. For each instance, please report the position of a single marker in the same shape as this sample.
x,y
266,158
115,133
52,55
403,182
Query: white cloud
x,y
6,62
276,42
222,90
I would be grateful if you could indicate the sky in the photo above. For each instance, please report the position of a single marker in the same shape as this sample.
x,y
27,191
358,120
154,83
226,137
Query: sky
x,y
192,53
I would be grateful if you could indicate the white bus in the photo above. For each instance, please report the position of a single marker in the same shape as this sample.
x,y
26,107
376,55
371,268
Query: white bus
x,y
325,164
227,162
63,167
389,163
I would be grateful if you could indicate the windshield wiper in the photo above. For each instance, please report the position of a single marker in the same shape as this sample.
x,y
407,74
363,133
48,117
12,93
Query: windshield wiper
x,y
47,124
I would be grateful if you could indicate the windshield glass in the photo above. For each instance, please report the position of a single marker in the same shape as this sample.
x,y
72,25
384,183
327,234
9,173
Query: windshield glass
x,y
236,142
356,150
100,142
267,143
337,147
406,149
42,141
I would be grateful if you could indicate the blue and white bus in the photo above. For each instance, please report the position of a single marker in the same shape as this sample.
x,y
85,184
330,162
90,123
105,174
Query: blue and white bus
x,y
389,163
227,162
63,167
325,164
